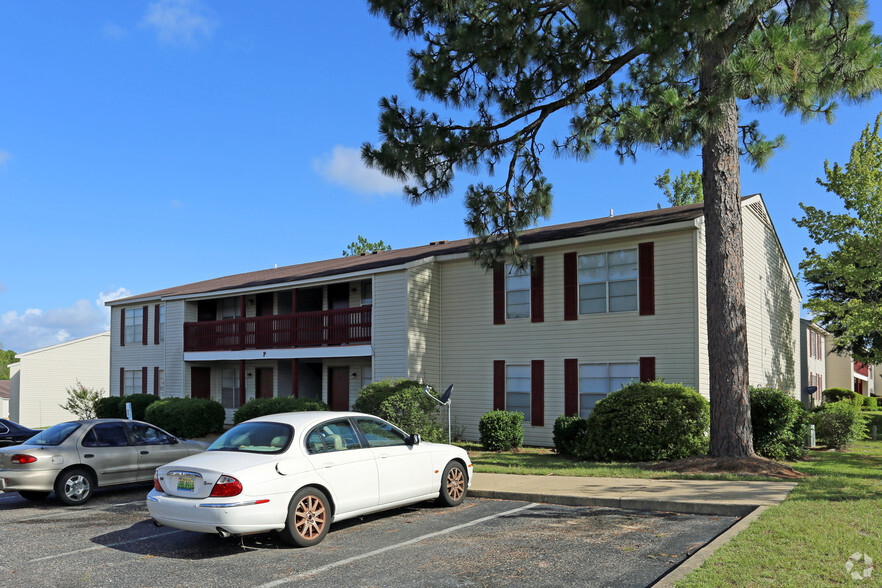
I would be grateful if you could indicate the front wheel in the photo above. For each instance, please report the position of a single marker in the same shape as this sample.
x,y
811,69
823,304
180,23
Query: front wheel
x,y
309,517
453,484
74,487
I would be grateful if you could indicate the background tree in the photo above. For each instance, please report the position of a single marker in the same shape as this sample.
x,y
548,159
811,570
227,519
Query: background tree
x,y
362,245
684,189
626,74
81,401
846,283
7,356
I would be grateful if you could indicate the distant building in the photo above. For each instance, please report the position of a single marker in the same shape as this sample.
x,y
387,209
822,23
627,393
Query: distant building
x,y
40,379
4,399
813,367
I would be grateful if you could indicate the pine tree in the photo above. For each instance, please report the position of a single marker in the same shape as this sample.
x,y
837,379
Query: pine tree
x,y
668,74
846,283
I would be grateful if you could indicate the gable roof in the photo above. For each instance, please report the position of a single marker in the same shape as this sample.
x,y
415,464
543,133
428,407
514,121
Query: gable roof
x,y
395,257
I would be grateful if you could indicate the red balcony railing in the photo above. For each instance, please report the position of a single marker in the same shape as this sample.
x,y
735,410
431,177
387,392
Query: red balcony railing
x,y
304,329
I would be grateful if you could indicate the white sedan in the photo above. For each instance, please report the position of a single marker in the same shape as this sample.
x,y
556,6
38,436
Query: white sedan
x,y
295,473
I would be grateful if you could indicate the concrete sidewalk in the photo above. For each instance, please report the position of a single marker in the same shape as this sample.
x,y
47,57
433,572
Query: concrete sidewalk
x,y
707,497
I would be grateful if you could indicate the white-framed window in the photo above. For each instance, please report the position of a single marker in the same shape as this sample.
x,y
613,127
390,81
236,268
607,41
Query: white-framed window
x,y
518,389
608,281
230,308
597,380
161,323
367,292
134,325
517,292
230,387
133,381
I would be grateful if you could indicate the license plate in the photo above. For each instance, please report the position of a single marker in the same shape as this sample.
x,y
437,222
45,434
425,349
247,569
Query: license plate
x,y
186,484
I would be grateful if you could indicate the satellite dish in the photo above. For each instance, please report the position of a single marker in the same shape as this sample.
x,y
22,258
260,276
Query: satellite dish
x,y
446,395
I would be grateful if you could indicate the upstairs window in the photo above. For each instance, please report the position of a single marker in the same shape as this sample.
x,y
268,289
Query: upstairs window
x,y
134,326
517,292
608,282
230,308
161,323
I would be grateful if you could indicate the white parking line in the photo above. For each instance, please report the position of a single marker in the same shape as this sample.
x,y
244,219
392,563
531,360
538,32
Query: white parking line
x,y
343,562
64,511
108,546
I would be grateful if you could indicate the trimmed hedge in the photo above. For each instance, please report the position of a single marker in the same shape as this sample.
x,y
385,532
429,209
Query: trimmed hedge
x,y
114,407
501,430
779,424
871,402
568,431
402,403
263,406
187,417
108,407
647,421
839,424
837,394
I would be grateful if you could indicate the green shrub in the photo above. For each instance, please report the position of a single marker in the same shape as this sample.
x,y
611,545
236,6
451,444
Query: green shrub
x,y
263,406
187,417
840,424
108,407
501,430
873,418
568,431
779,424
871,402
647,421
402,403
837,394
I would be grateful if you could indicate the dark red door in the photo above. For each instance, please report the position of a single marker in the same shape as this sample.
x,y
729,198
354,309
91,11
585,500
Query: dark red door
x,y
338,388
200,382
265,383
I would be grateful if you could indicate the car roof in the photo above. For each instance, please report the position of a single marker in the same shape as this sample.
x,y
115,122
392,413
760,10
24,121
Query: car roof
x,y
309,417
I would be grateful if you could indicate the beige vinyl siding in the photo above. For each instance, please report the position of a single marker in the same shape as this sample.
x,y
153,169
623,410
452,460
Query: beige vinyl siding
x,y
46,374
424,323
173,348
772,302
840,368
470,342
134,355
389,331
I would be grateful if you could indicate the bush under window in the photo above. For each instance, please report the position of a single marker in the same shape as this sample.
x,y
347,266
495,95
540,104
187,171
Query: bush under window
x,y
837,394
839,424
568,432
187,417
402,403
501,430
263,406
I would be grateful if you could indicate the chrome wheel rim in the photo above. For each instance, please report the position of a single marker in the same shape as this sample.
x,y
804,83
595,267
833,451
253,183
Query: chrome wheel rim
x,y
310,517
455,484
77,487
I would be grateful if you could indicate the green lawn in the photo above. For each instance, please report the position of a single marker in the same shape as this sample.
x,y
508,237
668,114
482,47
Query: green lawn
x,y
805,541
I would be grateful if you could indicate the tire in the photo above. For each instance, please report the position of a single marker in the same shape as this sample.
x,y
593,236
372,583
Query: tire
x,y
454,482
33,494
309,517
74,487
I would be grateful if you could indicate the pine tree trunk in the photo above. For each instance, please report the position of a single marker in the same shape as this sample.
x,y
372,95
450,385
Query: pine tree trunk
x,y
730,432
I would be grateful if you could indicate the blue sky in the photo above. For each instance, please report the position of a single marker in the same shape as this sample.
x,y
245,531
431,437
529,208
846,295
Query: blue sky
x,y
146,144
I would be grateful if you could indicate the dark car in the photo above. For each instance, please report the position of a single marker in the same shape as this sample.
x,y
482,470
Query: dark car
x,y
13,433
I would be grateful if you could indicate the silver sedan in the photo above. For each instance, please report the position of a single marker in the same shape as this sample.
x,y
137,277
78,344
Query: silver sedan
x,y
74,458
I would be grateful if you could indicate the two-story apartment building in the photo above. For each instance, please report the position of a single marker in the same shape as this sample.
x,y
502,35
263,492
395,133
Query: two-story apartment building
x,y
825,369
606,301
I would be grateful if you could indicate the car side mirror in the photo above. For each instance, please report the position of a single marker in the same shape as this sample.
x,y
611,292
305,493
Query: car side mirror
x,y
413,439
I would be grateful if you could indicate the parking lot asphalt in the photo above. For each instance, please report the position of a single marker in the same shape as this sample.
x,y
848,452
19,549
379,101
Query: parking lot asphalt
x,y
484,542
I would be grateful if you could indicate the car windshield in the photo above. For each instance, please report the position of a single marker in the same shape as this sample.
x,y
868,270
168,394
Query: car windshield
x,y
54,435
260,437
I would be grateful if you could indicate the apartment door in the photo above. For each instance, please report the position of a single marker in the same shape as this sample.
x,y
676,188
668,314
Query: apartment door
x,y
264,382
338,388
200,382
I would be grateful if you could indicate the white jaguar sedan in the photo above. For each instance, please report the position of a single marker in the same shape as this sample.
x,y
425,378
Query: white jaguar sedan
x,y
298,472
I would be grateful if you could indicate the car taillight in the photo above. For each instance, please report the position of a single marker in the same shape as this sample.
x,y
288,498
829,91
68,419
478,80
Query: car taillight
x,y
226,486
22,458
156,485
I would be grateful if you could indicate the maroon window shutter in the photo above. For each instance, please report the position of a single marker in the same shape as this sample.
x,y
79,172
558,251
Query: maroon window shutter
x,y
122,327
537,393
498,384
646,277
570,288
537,290
647,369
156,325
571,387
144,380
499,294
122,381
146,312
156,381
242,377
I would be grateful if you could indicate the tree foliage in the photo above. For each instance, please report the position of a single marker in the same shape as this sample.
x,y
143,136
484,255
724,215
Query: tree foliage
x,y
684,189
845,293
625,74
7,356
81,401
362,246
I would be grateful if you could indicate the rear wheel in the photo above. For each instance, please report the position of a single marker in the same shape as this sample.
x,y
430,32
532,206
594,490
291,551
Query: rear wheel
x,y
453,484
74,487
33,494
309,517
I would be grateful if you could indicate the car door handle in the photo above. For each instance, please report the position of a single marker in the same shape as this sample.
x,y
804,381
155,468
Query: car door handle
x,y
330,465
88,455
145,453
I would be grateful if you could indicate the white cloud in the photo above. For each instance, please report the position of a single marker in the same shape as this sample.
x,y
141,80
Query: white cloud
x,y
113,31
4,157
35,328
343,166
177,204
180,22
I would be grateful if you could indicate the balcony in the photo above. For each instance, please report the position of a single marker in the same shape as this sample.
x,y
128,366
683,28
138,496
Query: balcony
x,y
304,329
